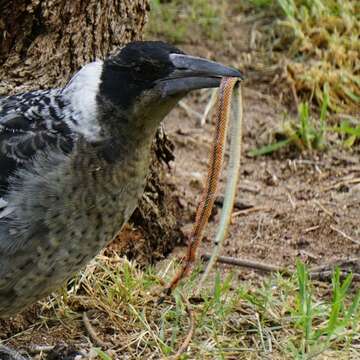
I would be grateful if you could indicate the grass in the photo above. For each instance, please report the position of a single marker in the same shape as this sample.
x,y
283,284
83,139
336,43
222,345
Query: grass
x,y
277,317
305,133
320,40
349,133
178,21
308,133
319,323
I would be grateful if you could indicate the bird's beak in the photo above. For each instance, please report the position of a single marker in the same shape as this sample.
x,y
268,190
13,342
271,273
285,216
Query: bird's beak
x,y
195,73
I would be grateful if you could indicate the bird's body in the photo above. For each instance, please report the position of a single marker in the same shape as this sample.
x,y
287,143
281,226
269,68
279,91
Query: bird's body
x,y
68,198
73,163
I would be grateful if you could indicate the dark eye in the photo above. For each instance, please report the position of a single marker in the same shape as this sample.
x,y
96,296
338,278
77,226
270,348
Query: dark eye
x,y
144,71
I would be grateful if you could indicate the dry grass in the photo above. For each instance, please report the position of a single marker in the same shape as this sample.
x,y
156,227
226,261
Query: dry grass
x,y
321,42
274,318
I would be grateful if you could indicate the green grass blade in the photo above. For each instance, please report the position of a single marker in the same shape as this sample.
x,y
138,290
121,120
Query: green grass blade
x,y
269,149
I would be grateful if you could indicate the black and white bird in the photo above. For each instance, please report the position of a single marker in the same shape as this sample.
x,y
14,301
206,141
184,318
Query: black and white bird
x,y
73,162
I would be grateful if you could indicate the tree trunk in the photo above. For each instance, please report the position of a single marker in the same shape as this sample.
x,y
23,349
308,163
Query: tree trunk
x,y
43,42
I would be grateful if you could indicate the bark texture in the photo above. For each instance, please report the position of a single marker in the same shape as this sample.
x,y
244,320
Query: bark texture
x,y
43,42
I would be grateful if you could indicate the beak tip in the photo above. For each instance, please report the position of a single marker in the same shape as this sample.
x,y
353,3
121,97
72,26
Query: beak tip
x,y
239,74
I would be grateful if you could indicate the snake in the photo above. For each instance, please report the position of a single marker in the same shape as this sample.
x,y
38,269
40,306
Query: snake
x,y
215,162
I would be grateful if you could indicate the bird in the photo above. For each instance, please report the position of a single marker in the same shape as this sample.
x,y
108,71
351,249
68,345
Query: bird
x,y
74,161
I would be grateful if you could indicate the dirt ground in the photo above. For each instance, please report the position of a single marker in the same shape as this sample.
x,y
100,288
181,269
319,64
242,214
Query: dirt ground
x,y
303,206
298,205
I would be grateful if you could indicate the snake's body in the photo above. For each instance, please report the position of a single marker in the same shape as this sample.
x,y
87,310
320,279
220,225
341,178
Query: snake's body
x,y
216,158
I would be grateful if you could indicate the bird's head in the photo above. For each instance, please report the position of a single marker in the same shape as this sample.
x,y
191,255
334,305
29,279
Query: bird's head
x,y
159,71
148,78
133,90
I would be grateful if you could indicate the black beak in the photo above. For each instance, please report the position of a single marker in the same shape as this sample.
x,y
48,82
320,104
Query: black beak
x,y
195,73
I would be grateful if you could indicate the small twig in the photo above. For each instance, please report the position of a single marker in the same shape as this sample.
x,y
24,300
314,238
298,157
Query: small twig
x,y
317,273
191,331
251,19
322,273
208,107
294,93
326,275
342,183
249,189
341,263
324,209
261,332
189,110
311,228
291,200
245,263
309,254
251,210
344,235
40,348
253,34
92,333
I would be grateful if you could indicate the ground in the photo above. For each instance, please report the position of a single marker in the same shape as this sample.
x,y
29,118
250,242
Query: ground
x,y
302,204
297,205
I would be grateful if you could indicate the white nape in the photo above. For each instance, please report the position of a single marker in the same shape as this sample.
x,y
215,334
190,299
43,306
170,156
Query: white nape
x,y
82,91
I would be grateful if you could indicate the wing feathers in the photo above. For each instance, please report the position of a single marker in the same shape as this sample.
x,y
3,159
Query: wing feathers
x,y
30,123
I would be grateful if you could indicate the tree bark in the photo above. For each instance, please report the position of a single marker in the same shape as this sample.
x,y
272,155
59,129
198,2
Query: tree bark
x,y
44,42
